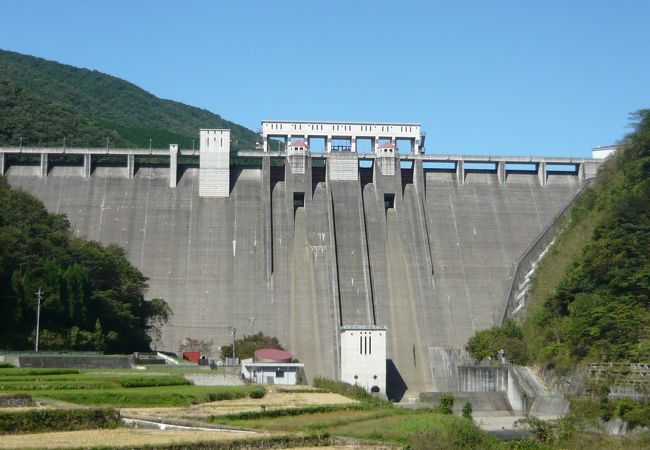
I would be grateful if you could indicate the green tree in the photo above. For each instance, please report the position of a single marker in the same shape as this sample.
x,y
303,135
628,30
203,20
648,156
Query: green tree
x,y
246,346
93,298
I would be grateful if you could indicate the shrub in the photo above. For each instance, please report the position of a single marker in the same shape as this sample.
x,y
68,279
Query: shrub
x,y
253,415
341,387
257,393
467,410
225,395
6,365
57,420
136,382
15,371
13,400
446,405
458,435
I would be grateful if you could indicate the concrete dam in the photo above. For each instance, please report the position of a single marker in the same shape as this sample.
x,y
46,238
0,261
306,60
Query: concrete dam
x,y
298,243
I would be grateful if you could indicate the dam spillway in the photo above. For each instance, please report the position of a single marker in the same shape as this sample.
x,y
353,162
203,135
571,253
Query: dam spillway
x,y
298,250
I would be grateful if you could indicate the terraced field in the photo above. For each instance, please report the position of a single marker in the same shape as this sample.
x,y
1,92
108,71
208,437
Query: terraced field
x,y
49,408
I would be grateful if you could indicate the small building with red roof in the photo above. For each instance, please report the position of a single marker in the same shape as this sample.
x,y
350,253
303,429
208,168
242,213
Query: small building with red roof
x,y
386,149
272,366
297,147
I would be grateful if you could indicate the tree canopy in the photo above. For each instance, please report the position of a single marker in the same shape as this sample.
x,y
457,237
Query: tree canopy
x,y
93,298
246,346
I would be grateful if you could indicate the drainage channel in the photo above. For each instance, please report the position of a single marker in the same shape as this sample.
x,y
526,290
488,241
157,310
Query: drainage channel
x,y
151,424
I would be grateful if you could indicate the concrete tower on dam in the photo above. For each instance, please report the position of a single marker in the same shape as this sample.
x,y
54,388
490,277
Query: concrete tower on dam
x,y
326,225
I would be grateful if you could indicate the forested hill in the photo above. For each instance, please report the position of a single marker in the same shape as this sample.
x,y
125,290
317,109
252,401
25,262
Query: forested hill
x,y
591,296
86,106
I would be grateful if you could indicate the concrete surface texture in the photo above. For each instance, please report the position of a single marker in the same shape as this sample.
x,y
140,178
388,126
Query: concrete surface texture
x,y
434,266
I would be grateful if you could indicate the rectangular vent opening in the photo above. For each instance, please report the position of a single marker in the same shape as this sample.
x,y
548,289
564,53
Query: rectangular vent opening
x,y
298,200
389,201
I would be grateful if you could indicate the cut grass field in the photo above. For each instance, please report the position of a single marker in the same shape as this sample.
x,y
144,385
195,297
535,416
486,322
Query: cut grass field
x,y
393,425
274,400
121,437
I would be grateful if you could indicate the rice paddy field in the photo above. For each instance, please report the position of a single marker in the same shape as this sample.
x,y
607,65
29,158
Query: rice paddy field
x,y
67,408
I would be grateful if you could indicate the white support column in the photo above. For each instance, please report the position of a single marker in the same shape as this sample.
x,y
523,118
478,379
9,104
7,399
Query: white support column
x,y
541,172
265,144
416,146
130,166
2,164
87,165
581,172
460,171
173,164
501,172
328,144
44,167
353,144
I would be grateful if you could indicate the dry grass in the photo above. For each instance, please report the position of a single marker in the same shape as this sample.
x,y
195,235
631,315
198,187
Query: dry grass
x,y
272,401
121,437
349,447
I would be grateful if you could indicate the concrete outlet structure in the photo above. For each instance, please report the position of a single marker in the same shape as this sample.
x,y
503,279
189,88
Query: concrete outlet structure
x,y
363,356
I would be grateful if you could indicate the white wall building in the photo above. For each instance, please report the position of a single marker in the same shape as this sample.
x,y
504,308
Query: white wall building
x,y
214,172
351,132
603,152
271,372
363,356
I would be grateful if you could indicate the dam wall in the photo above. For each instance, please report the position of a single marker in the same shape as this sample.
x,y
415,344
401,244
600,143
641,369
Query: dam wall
x,y
298,250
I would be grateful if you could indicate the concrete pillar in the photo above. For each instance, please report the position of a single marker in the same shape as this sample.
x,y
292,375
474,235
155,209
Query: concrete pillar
x,y
501,172
265,144
87,165
353,144
581,172
460,171
173,164
2,164
130,166
44,167
328,144
541,172
416,146
287,142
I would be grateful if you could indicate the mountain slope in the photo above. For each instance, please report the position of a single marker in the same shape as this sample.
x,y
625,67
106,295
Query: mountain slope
x,y
115,105
26,115
599,309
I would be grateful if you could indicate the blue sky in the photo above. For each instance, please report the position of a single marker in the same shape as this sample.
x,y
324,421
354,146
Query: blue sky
x,y
482,77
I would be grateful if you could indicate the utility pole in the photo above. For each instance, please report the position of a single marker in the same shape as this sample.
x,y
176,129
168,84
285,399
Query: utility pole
x,y
39,295
233,330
